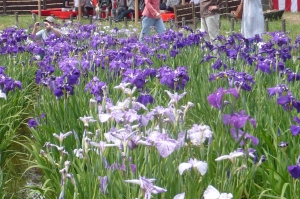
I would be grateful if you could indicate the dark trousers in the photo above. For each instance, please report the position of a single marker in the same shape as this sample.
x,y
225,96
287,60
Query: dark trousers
x,y
124,14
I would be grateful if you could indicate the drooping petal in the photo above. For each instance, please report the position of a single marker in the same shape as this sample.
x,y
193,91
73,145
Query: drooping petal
x,y
211,193
295,130
294,170
135,181
201,167
179,196
184,166
166,147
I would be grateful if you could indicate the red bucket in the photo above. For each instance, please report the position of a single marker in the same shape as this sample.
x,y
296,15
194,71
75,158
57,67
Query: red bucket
x,y
167,16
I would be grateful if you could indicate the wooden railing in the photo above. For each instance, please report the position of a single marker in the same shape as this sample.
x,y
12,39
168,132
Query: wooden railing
x,y
25,6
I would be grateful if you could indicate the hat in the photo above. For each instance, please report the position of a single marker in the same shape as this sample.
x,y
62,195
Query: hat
x,y
50,19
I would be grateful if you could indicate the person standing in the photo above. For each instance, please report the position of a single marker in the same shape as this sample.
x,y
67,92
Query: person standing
x,y
252,19
210,18
151,17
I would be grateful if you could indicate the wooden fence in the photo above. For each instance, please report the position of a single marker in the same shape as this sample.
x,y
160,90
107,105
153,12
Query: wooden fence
x,y
25,6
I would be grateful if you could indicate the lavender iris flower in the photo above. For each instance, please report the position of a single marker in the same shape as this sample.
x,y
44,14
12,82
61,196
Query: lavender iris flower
x,y
216,99
239,135
103,181
163,143
147,186
294,170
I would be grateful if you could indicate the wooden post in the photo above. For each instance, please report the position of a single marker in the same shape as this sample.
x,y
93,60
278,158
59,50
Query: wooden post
x,y
34,17
91,19
110,21
71,18
39,10
44,5
266,25
283,25
183,21
136,11
226,4
125,22
195,23
182,2
4,7
231,24
17,18
79,11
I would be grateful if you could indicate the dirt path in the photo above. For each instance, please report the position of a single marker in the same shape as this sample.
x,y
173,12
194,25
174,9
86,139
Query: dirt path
x,y
292,17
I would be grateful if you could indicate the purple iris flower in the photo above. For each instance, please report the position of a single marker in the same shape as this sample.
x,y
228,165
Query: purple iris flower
x,y
173,78
279,89
232,53
265,65
238,120
241,136
288,102
145,99
235,79
135,77
7,83
295,129
294,170
96,88
280,38
32,123
216,99
207,58
218,64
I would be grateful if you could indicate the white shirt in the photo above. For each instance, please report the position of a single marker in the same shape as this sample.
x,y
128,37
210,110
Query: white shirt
x,y
196,2
43,34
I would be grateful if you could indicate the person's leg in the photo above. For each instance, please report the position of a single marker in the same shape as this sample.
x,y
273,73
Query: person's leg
x,y
159,26
146,25
123,14
163,6
204,28
106,13
213,26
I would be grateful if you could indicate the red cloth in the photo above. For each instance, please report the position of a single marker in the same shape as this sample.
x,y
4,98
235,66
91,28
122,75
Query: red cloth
x,y
151,8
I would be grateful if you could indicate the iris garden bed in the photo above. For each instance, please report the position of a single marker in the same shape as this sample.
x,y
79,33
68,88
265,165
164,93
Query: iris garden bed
x,y
172,117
